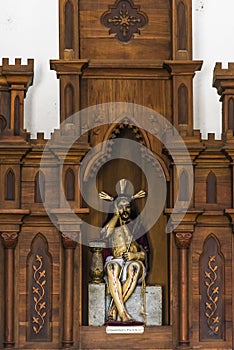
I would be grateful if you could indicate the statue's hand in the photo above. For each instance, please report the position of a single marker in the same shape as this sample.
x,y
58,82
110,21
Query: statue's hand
x,y
109,227
127,256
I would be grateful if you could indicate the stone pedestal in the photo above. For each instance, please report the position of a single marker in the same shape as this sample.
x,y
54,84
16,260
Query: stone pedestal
x,y
99,304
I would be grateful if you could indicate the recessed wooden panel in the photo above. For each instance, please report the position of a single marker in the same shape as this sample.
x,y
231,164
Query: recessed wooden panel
x,y
152,43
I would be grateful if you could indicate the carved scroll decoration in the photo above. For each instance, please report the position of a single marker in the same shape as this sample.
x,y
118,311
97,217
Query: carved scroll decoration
x,y
39,277
211,288
212,293
124,20
40,305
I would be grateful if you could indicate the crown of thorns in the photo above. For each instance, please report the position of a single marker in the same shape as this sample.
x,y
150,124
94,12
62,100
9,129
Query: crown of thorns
x,y
123,183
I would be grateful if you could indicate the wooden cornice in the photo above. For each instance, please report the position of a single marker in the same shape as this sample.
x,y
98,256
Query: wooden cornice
x,y
183,67
68,66
126,69
12,219
183,221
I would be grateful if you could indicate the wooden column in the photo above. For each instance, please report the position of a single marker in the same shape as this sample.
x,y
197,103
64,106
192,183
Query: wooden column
x,y
69,247
9,240
183,241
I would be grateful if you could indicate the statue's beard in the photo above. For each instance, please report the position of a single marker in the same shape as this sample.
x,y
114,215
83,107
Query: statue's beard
x,y
125,215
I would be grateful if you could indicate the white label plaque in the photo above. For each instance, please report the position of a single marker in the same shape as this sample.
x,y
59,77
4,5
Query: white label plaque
x,y
125,329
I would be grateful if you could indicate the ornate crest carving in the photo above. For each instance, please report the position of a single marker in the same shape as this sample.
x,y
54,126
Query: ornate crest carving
x,y
69,240
124,20
9,239
183,239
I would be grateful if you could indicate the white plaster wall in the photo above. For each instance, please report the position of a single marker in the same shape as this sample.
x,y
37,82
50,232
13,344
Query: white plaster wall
x,y
213,28
29,29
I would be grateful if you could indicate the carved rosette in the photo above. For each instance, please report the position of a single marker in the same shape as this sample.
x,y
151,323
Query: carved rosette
x,y
183,239
9,239
69,240
124,20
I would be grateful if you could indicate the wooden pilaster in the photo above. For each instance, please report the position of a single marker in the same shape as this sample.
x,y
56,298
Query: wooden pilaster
x,y
9,241
69,246
183,240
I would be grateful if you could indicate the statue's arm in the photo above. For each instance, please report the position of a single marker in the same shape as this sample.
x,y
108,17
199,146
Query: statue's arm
x,y
107,230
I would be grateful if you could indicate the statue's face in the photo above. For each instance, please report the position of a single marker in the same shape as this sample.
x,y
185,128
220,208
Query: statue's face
x,y
124,208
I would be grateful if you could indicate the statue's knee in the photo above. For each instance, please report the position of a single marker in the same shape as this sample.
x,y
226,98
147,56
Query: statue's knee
x,y
134,268
112,268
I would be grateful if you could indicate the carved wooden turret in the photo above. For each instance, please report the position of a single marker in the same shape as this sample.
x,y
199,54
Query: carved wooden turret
x,y
223,80
15,81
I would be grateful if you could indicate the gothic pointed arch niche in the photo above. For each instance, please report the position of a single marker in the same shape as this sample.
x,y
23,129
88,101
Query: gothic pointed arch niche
x,y
231,113
69,185
111,170
17,116
10,185
211,188
181,26
69,25
69,100
39,187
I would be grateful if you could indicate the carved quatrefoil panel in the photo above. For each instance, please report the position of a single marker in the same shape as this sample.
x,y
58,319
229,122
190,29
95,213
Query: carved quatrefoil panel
x,y
124,20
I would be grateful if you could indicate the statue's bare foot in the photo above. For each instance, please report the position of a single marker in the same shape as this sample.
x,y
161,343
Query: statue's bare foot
x,y
125,317
112,315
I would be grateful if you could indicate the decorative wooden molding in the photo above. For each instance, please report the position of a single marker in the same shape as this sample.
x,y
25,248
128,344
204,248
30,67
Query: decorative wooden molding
x,y
68,66
183,67
124,20
9,239
183,239
125,69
